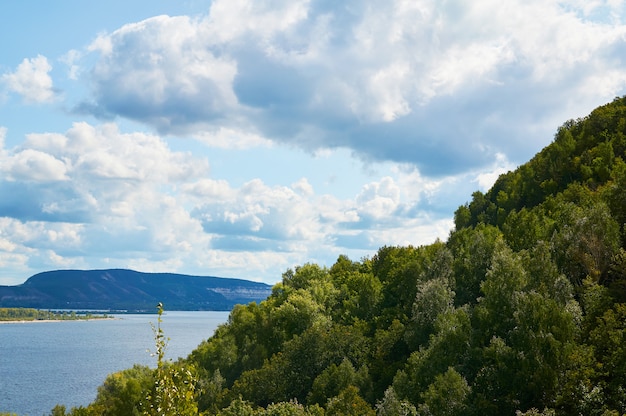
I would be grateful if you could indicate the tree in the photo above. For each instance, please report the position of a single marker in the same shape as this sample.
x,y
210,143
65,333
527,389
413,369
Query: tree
x,y
542,339
615,278
58,410
506,277
609,341
527,227
399,269
615,197
238,407
446,396
543,274
290,374
433,298
494,386
212,392
535,412
586,240
391,405
450,346
527,333
123,393
359,291
291,408
304,275
389,350
472,251
334,379
349,403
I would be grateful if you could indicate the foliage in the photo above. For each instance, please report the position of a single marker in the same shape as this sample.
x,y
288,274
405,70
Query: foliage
x,y
168,390
391,405
521,311
446,396
174,389
125,391
30,314
348,403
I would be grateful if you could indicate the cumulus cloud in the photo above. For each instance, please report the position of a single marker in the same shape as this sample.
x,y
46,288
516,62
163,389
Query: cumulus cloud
x,y
257,217
88,171
31,80
413,82
256,211
161,72
446,95
30,164
96,197
93,194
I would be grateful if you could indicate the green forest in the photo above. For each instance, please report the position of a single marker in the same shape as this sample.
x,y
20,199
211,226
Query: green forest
x,y
522,311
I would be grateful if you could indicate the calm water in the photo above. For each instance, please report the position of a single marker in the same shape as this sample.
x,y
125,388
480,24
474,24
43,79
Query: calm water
x,y
43,364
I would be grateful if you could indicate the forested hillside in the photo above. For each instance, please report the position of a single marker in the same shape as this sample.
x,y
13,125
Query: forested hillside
x,y
522,309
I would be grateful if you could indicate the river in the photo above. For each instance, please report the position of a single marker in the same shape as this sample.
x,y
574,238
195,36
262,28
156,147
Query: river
x,y
43,364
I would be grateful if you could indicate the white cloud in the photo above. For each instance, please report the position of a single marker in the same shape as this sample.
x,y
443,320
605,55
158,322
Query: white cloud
x,y
487,178
23,237
403,81
230,20
303,187
99,171
257,211
378,200
387,87
209,189
160,71
31,80
440,96
30,164
128,200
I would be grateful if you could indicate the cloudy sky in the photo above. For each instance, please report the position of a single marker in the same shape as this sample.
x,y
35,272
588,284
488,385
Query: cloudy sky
x,y
240,138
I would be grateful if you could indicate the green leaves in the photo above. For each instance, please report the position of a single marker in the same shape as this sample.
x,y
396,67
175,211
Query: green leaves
x,y
519,310
174,390
446,396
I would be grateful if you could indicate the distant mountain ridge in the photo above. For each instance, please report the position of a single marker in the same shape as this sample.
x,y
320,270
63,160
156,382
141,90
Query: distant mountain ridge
x,y
122,289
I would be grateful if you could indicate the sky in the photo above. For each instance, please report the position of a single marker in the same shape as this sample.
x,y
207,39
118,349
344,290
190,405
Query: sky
x,y
242,138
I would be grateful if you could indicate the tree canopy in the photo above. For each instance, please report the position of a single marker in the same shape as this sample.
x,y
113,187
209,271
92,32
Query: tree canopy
x,y
522,310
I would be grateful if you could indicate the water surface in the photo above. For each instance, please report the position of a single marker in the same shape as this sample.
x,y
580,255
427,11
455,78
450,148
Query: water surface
x,y
47,363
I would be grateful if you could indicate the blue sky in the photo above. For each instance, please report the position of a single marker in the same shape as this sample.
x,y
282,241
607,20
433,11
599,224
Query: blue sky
x,y
240,138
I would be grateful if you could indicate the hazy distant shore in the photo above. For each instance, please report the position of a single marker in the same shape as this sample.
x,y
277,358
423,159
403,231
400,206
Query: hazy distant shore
x,y
27,321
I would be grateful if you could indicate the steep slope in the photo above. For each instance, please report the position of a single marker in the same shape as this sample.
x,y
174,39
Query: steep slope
x,y
521,311
589,151
121,289
571,195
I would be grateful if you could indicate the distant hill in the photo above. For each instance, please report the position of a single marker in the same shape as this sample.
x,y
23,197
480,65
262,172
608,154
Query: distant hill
x,y
120,289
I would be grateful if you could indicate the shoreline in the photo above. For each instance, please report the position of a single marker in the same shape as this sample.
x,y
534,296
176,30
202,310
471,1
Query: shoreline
x,y
28,321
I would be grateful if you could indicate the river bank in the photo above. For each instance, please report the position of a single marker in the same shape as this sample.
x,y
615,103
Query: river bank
x,y
42,315
28,321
